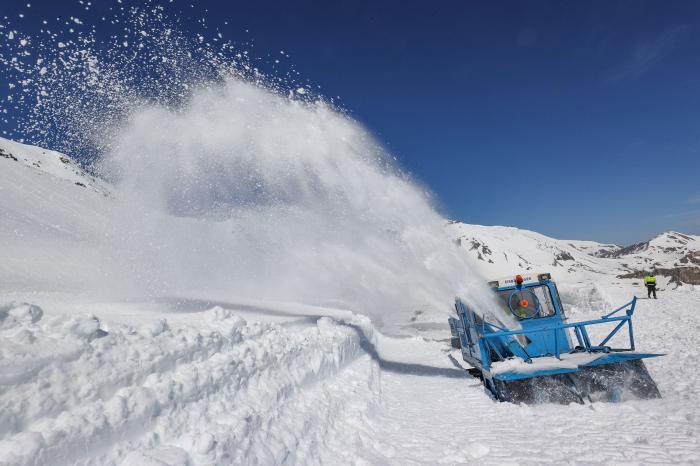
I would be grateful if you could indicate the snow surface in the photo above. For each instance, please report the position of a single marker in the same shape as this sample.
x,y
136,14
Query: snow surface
x,y
211,383
92,378
183,383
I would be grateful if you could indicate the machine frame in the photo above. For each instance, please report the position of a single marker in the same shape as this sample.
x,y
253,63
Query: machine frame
x,y
485,343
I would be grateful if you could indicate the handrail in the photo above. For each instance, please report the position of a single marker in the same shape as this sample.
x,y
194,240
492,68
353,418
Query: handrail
x,y
490,324
557,326
580,331
631,303
485,337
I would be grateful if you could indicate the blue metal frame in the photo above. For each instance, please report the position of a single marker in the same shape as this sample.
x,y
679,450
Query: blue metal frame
x,y
483,343
580,331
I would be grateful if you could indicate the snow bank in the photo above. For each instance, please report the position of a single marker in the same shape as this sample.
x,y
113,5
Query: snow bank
x,y
207,390
15,313
28,346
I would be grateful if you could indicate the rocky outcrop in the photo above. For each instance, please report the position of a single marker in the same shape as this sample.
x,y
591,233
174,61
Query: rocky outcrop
x,y
627,250
564,256
692,258
7,155
678,275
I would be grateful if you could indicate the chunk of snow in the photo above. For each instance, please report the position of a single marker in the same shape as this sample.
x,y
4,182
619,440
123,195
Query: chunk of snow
x,y
13,313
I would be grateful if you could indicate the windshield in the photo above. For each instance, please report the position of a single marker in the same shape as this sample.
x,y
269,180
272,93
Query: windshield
x,y
528,303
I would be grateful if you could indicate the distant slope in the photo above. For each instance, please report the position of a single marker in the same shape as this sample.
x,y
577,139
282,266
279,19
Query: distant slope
x,y
48,162
672,254
52,214
499,250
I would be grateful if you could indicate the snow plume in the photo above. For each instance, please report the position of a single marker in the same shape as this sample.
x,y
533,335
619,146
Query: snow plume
x,y
247,192
233,183
73,81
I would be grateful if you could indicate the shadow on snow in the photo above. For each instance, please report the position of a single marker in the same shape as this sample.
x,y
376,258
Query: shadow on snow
x,y
196,305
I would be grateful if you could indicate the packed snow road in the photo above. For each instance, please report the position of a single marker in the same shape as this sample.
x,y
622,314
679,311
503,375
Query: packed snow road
x,y
193,382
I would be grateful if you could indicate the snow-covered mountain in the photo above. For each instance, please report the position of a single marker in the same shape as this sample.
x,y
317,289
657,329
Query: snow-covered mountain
x,y
52,214
499,250
672,254
47,162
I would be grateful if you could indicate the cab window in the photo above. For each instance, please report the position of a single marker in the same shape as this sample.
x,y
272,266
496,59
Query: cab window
x,y
528,303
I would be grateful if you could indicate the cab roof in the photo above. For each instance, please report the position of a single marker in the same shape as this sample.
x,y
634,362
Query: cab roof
x,y
528,278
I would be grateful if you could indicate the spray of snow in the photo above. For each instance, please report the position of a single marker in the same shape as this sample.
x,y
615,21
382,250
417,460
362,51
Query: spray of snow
x,y
232,183
265,196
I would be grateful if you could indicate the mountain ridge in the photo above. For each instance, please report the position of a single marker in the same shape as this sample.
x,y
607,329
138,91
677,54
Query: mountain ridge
x,y
500,250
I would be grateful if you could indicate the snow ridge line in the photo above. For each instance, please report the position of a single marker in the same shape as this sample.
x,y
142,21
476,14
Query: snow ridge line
x,y
114,398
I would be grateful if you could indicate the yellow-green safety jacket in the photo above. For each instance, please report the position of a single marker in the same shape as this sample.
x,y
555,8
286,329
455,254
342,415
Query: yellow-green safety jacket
x,y
649,280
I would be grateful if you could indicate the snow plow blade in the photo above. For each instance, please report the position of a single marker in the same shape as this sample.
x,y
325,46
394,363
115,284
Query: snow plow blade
x,y
612,382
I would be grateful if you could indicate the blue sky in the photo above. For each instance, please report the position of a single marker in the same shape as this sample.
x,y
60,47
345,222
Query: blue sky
x,y
579,120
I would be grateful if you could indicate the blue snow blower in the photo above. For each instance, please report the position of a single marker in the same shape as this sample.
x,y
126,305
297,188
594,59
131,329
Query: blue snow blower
x,y
538,362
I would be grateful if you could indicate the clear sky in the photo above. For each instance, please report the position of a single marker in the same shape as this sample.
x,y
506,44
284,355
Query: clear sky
x,y
579,120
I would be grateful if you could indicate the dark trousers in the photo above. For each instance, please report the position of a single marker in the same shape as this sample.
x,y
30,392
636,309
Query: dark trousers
x,y
651,289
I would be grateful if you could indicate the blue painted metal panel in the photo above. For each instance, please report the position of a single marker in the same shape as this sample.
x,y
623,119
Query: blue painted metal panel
x,y
546,338
506,376
609,358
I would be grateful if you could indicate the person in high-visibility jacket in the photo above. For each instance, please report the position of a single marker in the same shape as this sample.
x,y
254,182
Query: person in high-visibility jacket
x,y
650,282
